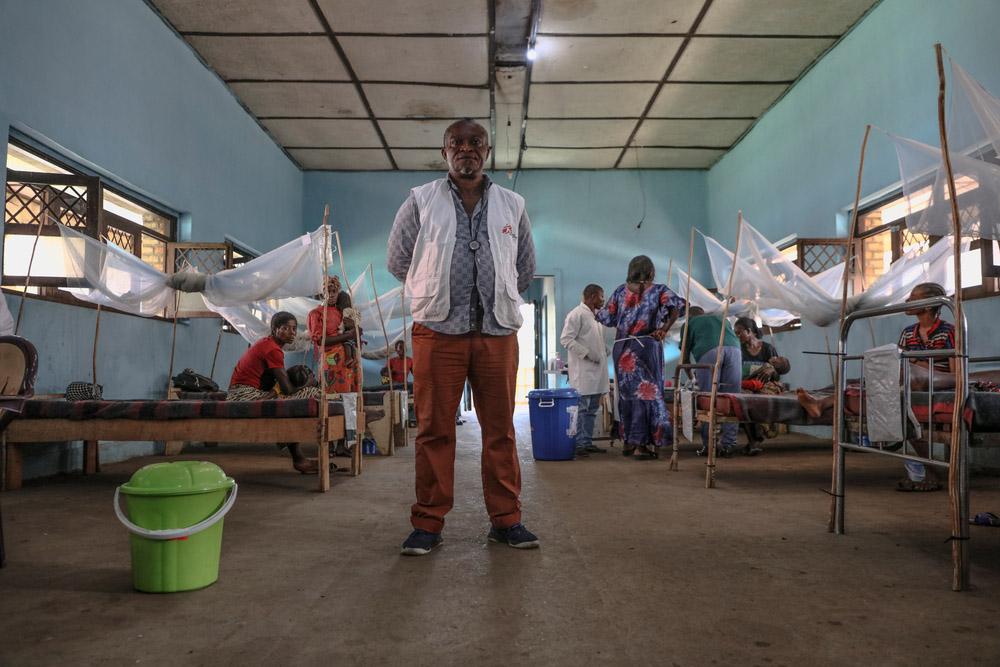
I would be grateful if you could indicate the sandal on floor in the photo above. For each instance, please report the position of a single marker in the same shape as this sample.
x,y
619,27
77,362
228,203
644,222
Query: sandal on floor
x,y
924,486
986,519
647,454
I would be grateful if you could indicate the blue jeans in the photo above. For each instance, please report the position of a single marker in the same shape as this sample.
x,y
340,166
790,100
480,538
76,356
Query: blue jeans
x,y
730,375
586,414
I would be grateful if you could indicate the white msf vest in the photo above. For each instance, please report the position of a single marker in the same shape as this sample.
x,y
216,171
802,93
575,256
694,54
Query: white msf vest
x,y
428,280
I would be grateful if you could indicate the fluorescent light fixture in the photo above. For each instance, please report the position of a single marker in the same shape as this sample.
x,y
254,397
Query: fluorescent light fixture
x,y
532,53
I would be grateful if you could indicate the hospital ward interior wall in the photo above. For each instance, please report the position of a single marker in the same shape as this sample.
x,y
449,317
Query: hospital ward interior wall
x,y
795,172
585,224
109,85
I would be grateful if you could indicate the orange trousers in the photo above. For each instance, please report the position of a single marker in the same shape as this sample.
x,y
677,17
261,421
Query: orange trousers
x,y
441,365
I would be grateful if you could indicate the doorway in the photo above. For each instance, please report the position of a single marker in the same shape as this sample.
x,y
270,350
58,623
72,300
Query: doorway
x,y
537,338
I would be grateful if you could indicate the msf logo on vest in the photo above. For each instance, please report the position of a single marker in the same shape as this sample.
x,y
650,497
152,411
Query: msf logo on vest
x,y
507,229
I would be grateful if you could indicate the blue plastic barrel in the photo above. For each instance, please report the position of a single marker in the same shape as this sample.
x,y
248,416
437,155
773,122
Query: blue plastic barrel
x,y
553,423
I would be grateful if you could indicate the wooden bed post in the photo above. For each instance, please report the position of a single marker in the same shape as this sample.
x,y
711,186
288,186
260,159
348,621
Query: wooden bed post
x,y
710,455
357,459
218,344
173,343
957,482
385,335
323,442
684,338
836,520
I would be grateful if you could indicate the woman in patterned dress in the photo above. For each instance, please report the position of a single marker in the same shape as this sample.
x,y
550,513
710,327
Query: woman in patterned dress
x,y
340,368
641,312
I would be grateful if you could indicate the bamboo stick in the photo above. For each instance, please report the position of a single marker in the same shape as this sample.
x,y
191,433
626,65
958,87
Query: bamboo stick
x,y
838,398
357,460
710,462
378,306
173,343
684,338
406,350
218,343
27,279
323,436
956,463
93,354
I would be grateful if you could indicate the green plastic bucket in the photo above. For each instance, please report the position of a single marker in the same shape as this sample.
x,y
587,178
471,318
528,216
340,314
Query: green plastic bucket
x,y
175,513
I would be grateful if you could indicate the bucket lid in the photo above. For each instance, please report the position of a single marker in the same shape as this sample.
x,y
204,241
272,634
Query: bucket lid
x,y
562,392
177,478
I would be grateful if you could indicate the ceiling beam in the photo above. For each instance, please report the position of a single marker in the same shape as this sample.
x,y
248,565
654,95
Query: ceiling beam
x,y
536,15
332,36
666,75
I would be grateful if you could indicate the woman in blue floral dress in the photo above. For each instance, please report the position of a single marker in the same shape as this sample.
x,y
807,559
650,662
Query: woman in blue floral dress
x,y
641,312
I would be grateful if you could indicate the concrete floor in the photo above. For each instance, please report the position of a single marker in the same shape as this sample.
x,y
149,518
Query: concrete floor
x,y
638,565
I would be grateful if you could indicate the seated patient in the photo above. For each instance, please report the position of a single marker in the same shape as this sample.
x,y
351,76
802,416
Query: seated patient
x,y
762,369
261,370
929,332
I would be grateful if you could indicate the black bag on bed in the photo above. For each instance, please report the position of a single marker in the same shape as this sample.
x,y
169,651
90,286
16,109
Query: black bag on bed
x,y
189,380
84,391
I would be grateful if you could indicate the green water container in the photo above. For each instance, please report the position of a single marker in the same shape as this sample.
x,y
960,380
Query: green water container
x,y
175,513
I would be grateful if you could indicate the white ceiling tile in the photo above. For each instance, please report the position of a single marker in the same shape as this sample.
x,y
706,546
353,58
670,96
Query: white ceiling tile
x,y
409,158
323,132
463,60
589,100
300,99
263,57
509,97
241,16
670,158
413,101
783,17
402,16
419,133
604,16
747,59
357,159
654,132
556,158
603,58
578,132
714,99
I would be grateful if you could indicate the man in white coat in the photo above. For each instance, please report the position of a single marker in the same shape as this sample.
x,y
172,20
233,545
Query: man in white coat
x,y
583,338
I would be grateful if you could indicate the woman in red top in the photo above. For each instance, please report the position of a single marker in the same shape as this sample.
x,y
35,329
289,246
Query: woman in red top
x,y
400,365
341,371
261,371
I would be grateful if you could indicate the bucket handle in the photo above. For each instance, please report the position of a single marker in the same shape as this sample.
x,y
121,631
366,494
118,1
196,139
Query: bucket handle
x,y
546,402
175,533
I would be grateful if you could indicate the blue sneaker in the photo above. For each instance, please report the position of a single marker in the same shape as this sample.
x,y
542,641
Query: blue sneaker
x,y
420,543
516,536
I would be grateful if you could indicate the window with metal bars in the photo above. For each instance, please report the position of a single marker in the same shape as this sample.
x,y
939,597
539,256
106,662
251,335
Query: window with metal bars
x,y
39,191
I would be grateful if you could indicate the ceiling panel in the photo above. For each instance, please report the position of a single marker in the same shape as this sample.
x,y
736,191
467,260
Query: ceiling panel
x,y
714,100
242,16
788,17
556,158
461,60
410,158
592,100
602,16
603,58
721,133
358,159
419,133
261,57
670,158
300,99
402,16
412,101
578,132
747,59
322,132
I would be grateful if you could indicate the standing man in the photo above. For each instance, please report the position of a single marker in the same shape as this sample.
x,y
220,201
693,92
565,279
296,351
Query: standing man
x,y
583,337
462,245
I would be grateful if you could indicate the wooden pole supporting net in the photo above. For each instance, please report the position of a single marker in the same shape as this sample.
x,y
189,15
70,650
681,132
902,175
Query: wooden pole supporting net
x,y
711,454
684,338
322,434
173,343
357,460
956,459
838,397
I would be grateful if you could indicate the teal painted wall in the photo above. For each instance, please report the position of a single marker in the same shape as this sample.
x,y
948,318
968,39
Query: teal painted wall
x,y
795,171
106,83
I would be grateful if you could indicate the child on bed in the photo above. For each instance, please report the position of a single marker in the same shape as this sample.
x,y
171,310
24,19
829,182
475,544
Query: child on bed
x,y
929,332
351,321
